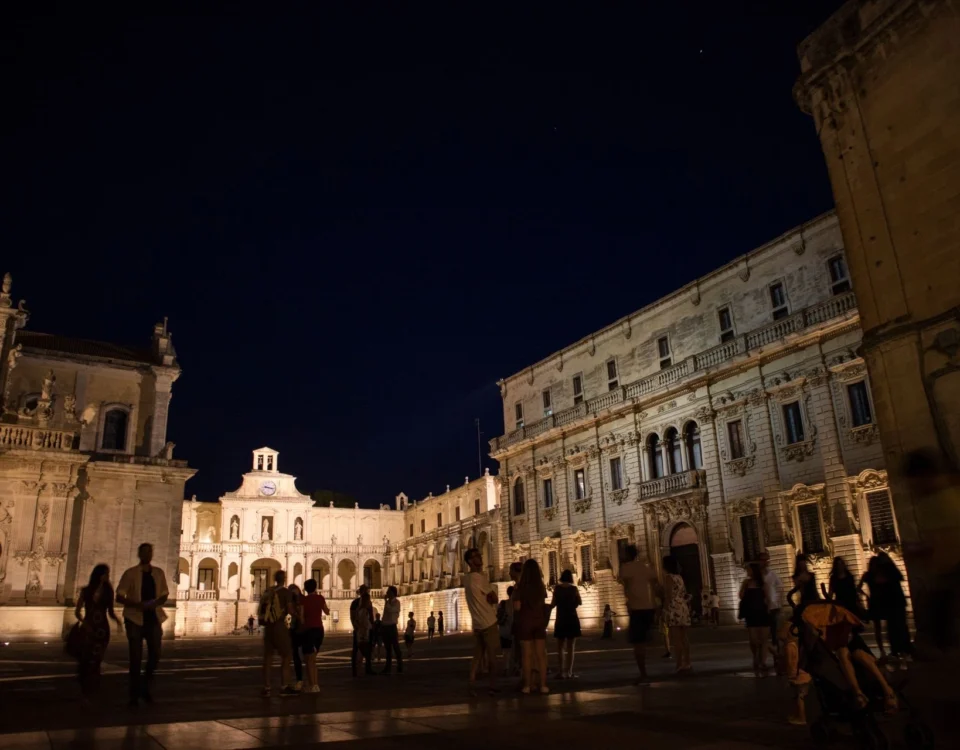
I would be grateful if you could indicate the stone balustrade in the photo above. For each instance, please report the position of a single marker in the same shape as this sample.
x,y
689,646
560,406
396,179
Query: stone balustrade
x,y
36,438
680,482
833,308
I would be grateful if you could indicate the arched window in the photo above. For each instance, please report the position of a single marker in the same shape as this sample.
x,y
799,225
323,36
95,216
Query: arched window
x,y
519,506
674,451
694,453
656,456
115,430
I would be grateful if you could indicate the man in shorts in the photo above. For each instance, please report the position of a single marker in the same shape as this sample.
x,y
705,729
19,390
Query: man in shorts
x,y
314,608
275,604
482,603
641,586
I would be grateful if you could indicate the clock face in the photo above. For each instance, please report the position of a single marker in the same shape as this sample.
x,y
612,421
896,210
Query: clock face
x,y
268,488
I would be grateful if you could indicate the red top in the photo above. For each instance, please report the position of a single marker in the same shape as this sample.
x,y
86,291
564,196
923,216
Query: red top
x,y
313,605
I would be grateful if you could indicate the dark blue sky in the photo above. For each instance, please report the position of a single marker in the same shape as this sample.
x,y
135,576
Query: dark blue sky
x,y
358,220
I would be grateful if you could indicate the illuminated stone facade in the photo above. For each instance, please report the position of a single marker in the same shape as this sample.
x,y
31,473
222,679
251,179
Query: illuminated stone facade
x,y
86,472
880,80
231,549
730,416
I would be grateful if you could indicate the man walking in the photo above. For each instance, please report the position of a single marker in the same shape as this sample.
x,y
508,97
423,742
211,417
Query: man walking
x,y
640,585
482,603
431,626
773,589
142,591
391,636
275,604
354,606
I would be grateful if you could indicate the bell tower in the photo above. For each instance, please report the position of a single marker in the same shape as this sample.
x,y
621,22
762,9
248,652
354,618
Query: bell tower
x,y
265,460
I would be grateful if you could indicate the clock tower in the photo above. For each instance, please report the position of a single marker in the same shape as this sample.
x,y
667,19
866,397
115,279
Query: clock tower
x,y
265,460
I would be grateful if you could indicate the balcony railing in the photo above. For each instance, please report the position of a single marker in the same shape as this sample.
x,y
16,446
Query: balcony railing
x,y
685,480
35,438
835,307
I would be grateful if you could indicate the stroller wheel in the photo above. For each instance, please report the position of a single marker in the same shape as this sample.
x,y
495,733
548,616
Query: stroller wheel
x,y
918,736
820,733
872,737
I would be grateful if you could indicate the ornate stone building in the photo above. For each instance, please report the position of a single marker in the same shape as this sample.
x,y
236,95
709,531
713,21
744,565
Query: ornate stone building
x,y
231,549
730,416
86,472
880,80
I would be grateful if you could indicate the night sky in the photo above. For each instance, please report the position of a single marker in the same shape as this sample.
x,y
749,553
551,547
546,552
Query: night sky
x,y
358,223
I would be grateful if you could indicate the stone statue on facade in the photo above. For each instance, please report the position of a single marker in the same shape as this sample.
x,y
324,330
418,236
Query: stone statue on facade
x,y
70,408
234,528
298,531
359,540
265,530
333,540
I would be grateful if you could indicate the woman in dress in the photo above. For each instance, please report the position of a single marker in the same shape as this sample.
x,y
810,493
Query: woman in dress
x,y
676,612
887,602
566,628
94,606
530,623
755,611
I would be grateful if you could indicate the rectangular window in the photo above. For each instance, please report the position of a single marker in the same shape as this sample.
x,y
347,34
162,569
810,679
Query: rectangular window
x,y
458,512
839,278
726,324
547,403
423,525
261,581
260,462
411,529
859,404
476,507
439,520
577,389
811,534
881,517
205,579
547,493
580,484
735,434
616,473
586,564
793,423
518,414
622,545
613,379
663,349
552,574
778,301
750,534
269,463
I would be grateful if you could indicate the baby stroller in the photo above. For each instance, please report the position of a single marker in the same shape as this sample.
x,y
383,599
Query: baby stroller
x,y
821,629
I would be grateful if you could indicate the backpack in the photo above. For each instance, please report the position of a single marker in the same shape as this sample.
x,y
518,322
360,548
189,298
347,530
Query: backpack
x,y
272,609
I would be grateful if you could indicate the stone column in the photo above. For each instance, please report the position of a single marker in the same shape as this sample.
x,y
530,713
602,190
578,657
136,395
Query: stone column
x,y
716,523
224,578
163,379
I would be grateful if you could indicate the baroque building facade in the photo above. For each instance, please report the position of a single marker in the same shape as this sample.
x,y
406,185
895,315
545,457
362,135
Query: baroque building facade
x,y
86,472
731,416
230,549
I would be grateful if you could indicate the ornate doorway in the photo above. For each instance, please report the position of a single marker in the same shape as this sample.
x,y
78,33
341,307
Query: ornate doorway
x,y
685,546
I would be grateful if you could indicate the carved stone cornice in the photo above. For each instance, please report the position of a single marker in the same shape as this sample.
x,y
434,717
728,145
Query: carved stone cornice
x,y
704,415
622,531
740,466
582,505
577,457
851,372
871,479
798,451
550,513
550,544
748,506
866,435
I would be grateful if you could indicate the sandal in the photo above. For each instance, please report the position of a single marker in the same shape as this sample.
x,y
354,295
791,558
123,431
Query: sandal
x,y
890,705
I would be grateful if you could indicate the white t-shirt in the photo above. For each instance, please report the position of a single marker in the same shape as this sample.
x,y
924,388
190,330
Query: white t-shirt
x,y
773,587
482,612
638,580
391,612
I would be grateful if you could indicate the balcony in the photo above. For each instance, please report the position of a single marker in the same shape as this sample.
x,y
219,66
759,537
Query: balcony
x,y
693,366
36,438
671,484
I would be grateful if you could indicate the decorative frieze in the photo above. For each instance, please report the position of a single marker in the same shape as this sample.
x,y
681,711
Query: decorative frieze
x,y
582,505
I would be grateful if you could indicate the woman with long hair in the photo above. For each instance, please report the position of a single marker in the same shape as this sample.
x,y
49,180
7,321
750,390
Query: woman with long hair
x,y
755,611
887,602
94,606
843,589
676,612
566,628
530,623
